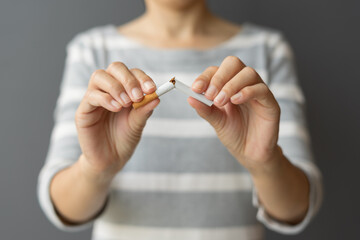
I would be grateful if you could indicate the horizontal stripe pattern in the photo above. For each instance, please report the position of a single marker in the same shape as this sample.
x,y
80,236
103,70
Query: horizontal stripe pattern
x,y
67,148
64,130
199,128
182,182
180,209
179,155
181,128
107,231
287,91
71,95
78,54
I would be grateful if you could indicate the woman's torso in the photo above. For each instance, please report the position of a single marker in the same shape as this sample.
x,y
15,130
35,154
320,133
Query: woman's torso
x,y
181,182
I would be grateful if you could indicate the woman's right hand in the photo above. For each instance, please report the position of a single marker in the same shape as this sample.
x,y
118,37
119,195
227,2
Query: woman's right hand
x,y
109,129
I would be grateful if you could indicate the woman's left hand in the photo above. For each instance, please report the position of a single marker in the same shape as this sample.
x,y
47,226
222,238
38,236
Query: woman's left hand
x,y
245,114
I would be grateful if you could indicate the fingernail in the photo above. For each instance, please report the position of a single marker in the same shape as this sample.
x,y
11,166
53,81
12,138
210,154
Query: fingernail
x,y
136,92
149,85
211,92
125,98
220,98
115,104
199,85
236,97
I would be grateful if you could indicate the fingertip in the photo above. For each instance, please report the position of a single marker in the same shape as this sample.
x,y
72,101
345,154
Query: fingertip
x,y
137,94
221,99
146,82
115,104
198,86
149,87
235,102
211,92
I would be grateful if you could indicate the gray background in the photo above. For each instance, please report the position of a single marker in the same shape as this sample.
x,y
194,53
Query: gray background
x,y
33,34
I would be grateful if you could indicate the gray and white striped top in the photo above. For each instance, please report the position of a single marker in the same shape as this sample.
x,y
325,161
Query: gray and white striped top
x,y
181,182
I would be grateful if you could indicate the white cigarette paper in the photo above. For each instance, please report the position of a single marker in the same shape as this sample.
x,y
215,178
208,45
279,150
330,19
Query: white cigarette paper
x,y
187,90
168,86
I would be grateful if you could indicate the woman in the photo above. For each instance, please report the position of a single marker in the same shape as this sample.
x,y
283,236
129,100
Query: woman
x,y
192,174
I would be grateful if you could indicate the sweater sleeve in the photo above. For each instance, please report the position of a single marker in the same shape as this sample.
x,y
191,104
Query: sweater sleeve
x,y
64,148
294,138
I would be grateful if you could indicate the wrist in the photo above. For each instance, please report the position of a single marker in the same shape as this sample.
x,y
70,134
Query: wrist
x,y
272,166
89,174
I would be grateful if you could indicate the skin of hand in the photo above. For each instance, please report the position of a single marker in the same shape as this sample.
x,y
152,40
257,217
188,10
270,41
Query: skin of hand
x,y
109,129
246,118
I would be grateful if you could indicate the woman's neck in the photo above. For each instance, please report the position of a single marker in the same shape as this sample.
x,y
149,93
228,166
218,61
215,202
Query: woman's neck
x,y
192,26
178,22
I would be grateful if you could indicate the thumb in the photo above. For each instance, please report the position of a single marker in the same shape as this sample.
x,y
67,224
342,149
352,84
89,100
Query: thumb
x,y
211,114
138,117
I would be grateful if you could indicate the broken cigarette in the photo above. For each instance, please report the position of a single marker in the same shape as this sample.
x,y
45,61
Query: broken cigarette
x,y
187,90
166,87
160,91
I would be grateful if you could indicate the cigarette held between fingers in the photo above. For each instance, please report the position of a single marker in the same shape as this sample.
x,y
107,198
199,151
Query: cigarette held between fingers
x,y
166,87
187,90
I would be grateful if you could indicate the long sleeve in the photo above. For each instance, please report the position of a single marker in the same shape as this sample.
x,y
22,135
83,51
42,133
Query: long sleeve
x,y
64,148
180,192
294,138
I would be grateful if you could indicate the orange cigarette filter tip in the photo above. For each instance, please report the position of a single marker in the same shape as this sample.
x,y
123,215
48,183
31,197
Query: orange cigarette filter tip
x,y
147,98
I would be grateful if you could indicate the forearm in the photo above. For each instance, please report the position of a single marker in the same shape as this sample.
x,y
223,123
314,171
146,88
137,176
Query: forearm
x,y
78,195
283,189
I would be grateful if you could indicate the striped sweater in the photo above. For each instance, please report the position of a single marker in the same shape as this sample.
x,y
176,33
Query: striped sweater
x,y
181,182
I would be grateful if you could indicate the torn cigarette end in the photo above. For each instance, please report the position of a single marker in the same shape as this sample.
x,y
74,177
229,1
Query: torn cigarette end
x,y
173,81
147,98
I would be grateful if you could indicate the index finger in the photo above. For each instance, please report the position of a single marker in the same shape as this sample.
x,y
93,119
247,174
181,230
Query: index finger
x,y
147,84
120,72
227,70
202,81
